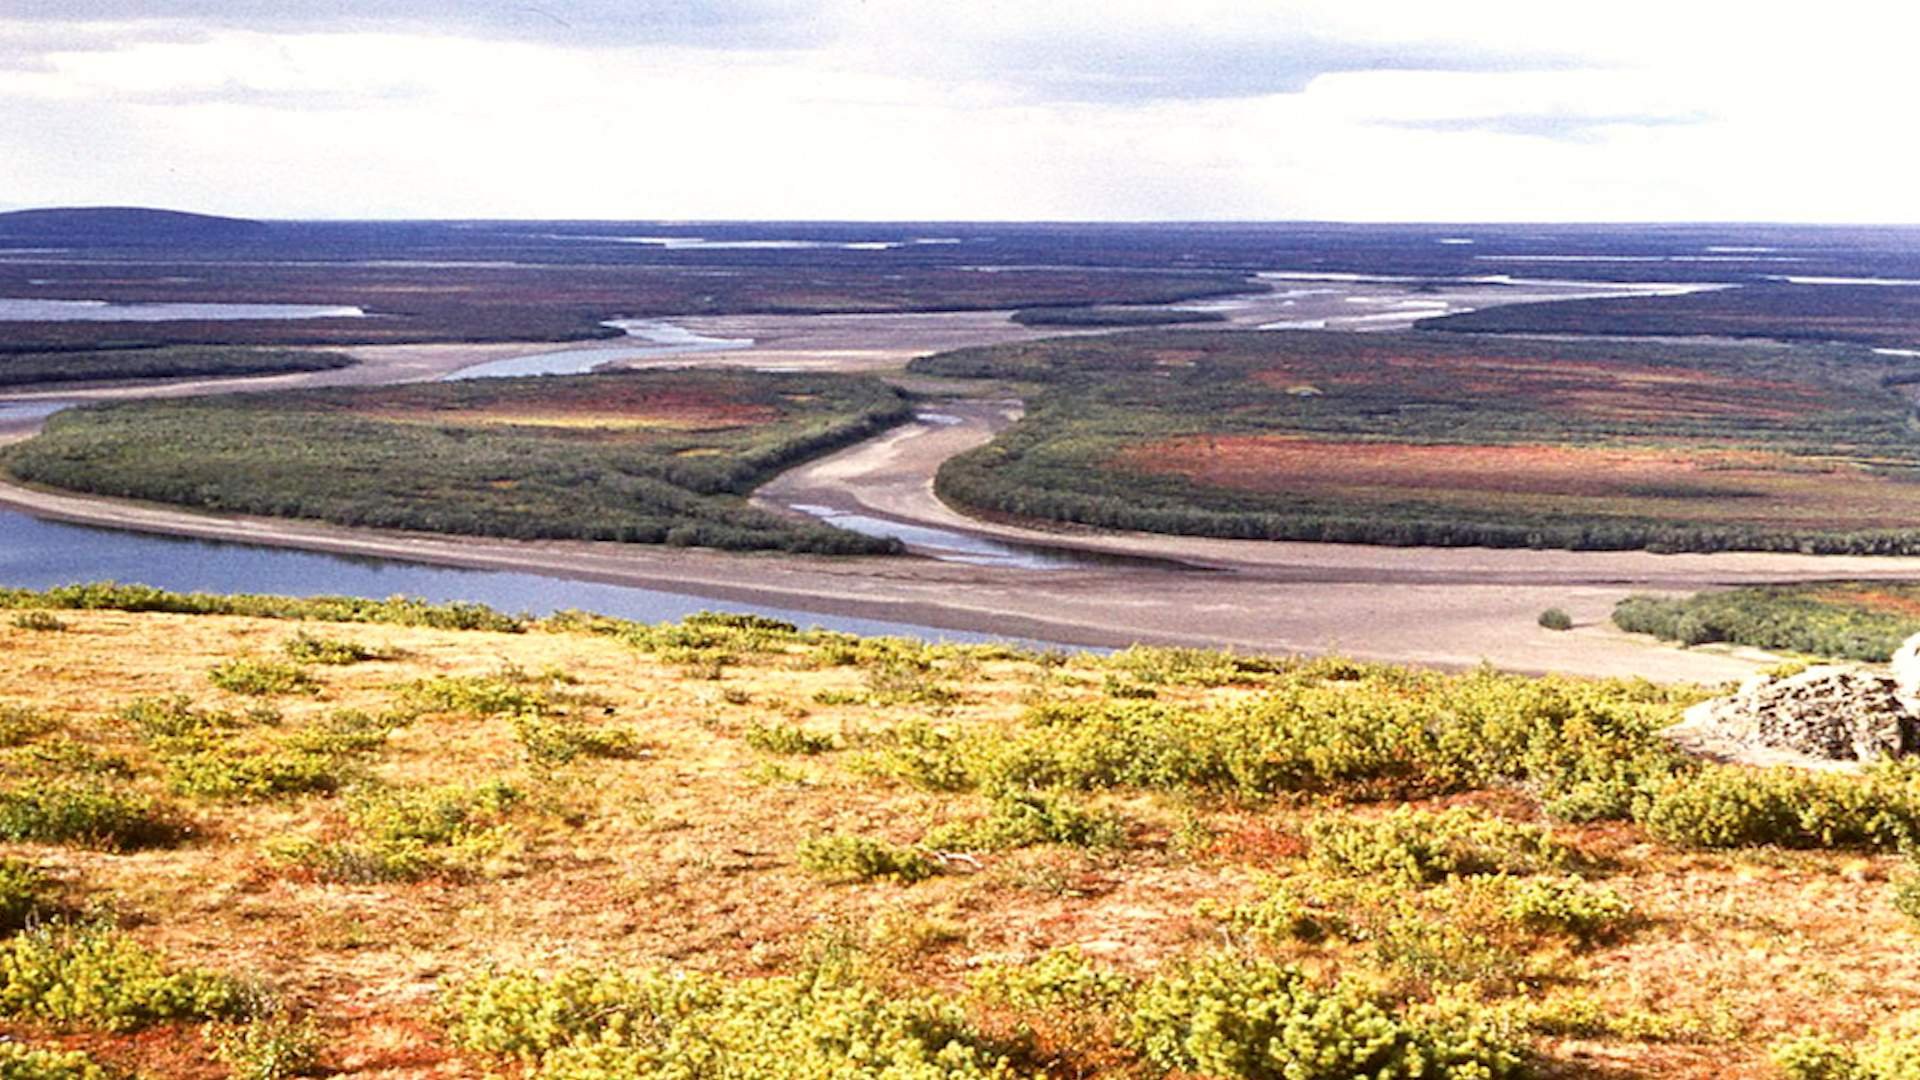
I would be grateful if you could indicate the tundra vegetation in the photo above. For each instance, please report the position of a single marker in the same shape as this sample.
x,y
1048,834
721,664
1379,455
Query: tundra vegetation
x,y
1452,440
104,365
644,457
1882,315
1842,620
468,844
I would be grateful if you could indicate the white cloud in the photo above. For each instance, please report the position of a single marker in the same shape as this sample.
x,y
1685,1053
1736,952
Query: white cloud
x,y
1125,109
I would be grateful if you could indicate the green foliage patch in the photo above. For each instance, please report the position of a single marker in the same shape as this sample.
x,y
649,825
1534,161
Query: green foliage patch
x,y
590,1024
1843,620
72,975
846,858
1201,406
644,457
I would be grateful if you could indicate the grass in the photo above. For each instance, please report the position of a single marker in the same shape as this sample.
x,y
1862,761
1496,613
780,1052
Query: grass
x,y
1041,874
1444,439
645,457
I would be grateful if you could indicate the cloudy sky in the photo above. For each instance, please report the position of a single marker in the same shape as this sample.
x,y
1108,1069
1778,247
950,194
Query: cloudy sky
x,y
1365,110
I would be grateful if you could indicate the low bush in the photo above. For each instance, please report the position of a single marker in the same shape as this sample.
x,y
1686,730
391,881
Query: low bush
x,y
1732,806
1817,1058
305,648
19,725
846,858
270,1047
506,694
778,738
68,975
559,740
40,621
220,770
83,811
1844,620
409,834
398,610
1555,619
1566,905
24,894
19,1061
1418,846
176,718
615,1025
262,678
1227,1016
1020,819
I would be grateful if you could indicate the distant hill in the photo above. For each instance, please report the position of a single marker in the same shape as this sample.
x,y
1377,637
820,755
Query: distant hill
x,y
111,226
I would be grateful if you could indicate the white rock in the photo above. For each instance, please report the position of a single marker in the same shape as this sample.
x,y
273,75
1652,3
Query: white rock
x,y
1906,667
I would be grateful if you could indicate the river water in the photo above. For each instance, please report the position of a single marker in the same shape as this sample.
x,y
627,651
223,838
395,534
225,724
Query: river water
x,y
36,554
657,339
25,310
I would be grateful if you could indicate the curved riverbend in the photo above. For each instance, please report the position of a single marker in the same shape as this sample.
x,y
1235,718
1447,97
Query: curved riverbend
x,y
1455,606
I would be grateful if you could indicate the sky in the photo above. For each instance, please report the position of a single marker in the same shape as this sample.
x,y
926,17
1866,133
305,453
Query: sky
x,y
1352,110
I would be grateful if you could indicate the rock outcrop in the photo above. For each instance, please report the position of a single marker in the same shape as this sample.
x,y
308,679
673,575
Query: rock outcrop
x,y
1830,715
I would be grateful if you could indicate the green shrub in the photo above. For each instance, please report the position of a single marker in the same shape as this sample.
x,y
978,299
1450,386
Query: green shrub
x,y
845,858
262,678
1732,806
1843,620
1060,982
95,976
409,834
1906,888
42,621
271,1047
558,740
19,1061
400,610
476,695
1817,1058
63,757
24,894
613,1025
1555,619
1230,1017
1566,905
1417,846
305,648
19,725
1023,818
777,738
224,771
82,811
176,717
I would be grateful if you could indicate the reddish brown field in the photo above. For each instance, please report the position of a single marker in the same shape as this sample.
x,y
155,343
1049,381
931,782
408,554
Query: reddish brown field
x,y
1701,483
1616,389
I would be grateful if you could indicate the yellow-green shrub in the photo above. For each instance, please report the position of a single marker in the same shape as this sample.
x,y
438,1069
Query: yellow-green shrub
x,y
1423,845
19,1061
262,678
1734,806
88,975
608,1024
842,857
81,811
1228,1016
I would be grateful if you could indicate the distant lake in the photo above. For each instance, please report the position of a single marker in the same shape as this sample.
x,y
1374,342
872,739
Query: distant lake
x,y
20,310
37,554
